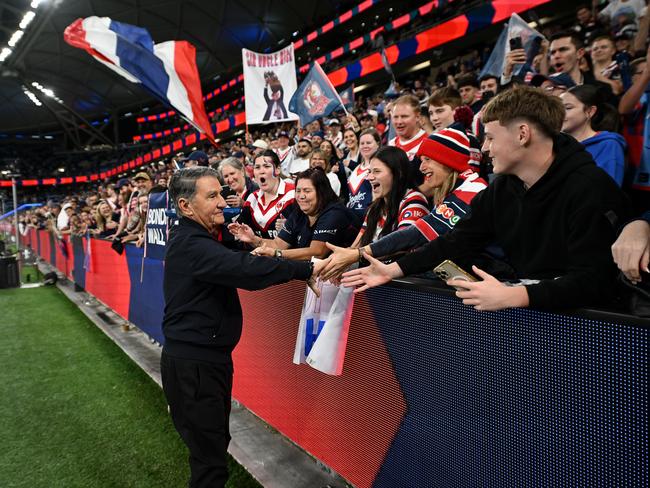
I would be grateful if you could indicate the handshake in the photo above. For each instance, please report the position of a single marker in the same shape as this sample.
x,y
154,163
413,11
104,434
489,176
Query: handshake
x,y
339,268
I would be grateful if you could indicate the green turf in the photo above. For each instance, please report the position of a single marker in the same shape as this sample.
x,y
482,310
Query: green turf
x,y
75,410
30,274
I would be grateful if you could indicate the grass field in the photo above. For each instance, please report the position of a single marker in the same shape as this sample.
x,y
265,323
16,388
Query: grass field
x,y
75,411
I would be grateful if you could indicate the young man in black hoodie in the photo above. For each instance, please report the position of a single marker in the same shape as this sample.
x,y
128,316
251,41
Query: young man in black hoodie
x,y
552,211
203,319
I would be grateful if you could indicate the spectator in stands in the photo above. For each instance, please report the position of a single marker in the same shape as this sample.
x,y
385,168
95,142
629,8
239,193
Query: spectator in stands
x,y
555,84
366,121
274,199
351,140
107,221
442,104
449,183
420,91
332,153
488,83
394,206
63,219
284,151
587,24
635,105
605,68
631,251
552,211
300,161
323,160
316,139
321,219
470,92
567,52
161,181
409,136
234,175
359,188
594,123
334,134
196,158
111,196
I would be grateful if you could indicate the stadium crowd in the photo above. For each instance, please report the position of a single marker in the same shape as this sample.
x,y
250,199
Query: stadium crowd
x,y
496,173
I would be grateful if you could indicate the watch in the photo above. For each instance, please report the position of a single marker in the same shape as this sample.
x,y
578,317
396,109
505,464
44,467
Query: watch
x,y
278,253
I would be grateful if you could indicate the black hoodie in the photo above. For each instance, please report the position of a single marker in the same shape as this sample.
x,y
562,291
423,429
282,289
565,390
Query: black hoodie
x,y
560,231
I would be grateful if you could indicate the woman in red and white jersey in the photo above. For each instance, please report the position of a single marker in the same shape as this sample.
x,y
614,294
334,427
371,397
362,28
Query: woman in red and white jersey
x,y
394,206
274,199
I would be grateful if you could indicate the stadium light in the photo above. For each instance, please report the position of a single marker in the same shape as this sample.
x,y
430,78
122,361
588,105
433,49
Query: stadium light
x,y
36,3
27,19
13,40
32,97
4,54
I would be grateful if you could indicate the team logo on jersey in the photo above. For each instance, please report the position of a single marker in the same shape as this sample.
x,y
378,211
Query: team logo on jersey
x,y
447,213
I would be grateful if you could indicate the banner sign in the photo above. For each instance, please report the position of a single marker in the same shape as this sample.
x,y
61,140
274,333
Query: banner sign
x,y
269,83
157,226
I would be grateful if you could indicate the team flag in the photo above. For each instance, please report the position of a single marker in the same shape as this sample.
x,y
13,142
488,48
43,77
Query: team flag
x,y
166,70
316,97
347,97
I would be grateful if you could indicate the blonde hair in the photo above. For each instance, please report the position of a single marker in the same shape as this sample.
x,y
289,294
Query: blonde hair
x,y
440,193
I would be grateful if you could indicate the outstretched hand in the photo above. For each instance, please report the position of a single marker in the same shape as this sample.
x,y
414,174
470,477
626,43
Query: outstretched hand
x,y
337,262
376,274
264,251
241,232
489,294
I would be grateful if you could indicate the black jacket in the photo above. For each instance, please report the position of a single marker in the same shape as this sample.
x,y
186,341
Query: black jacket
x,y
560,231
203,316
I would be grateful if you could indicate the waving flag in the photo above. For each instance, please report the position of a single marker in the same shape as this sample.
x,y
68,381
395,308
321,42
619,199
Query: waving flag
x,y
347,97
167,70
315,97
531,41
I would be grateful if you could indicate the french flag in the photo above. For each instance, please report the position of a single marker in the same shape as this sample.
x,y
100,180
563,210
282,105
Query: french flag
x,y
167,70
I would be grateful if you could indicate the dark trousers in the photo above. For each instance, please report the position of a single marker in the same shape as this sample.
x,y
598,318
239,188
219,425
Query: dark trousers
x,y
198,394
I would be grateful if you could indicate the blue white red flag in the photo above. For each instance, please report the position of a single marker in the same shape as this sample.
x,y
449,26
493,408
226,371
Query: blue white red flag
x,y
347,97
166,70
316,97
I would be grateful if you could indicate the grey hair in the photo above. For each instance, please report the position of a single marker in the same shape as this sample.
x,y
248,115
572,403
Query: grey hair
x,y
231,161
183,183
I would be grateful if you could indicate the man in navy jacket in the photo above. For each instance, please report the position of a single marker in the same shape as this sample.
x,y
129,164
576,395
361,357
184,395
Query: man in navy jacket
x,y
203,319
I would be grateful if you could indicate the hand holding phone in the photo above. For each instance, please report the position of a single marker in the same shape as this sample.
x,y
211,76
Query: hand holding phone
x,y
448,270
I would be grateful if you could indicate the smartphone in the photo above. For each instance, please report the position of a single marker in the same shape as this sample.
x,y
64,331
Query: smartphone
x,y
226,191
515,43
448,270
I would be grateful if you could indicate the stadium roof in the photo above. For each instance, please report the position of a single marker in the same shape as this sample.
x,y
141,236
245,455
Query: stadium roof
x,y
218,30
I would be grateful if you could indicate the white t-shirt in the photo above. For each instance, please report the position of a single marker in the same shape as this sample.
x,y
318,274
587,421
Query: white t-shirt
x,y
297,165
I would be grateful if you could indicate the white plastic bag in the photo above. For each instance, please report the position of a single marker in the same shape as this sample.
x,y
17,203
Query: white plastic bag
x,y
323,331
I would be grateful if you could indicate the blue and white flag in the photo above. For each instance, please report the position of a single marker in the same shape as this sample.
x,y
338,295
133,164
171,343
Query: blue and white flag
x,y
530,42
323,330
167,70
316,97
347,97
